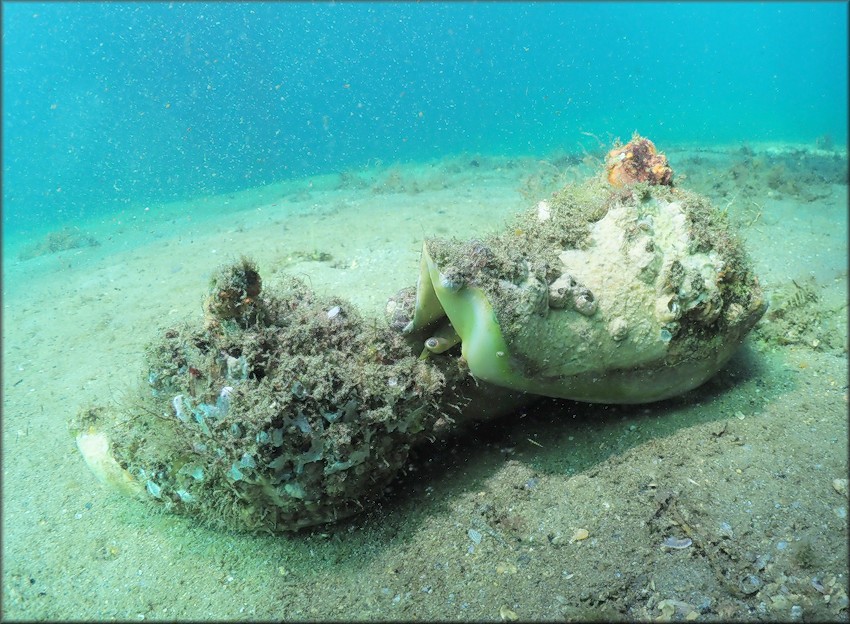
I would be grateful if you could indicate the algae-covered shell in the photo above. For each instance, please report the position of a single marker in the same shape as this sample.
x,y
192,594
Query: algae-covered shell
x,y
618,328
318,420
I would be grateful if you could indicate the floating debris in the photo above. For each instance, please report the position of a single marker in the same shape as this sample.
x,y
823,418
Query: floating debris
x,y
750,584
507,615
761,562
153,488
185,496
676,543
506,568
580,534
671,607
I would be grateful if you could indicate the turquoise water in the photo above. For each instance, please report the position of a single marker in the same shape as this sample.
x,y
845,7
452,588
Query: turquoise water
x,y
107,105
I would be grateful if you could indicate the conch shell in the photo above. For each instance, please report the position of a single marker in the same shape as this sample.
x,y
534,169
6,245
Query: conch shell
x,y
614,297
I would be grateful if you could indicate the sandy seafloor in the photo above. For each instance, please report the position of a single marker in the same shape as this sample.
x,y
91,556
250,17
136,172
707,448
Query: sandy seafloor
x,y
752,466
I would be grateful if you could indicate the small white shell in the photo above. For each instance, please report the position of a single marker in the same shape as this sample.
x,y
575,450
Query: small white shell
x,y
451,281
177,405
618,328
584,301
734,313
711,309
560,291
667,308
676,543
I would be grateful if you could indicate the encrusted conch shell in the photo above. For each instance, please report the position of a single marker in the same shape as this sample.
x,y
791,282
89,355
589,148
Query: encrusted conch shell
x,y
616,297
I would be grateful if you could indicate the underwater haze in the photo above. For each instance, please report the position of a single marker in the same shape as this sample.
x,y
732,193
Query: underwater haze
x,y
110,105
231,232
